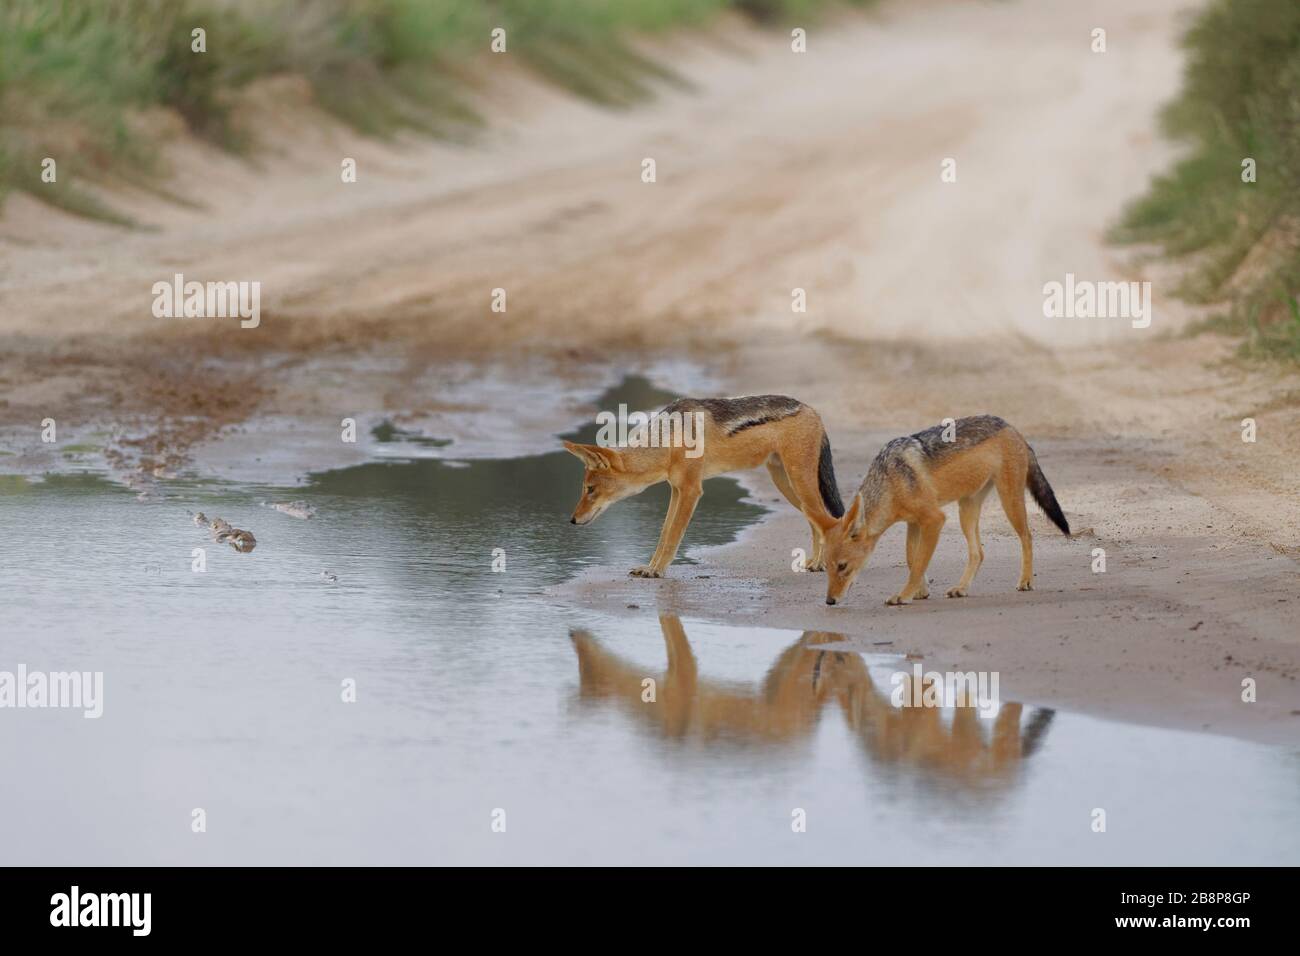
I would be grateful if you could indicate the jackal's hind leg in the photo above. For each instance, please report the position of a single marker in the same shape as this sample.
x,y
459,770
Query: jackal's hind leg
x,y
1011,489
806,495
815,561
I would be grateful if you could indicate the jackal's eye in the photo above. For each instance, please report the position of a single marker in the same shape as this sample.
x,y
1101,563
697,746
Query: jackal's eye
x,y
591,489
842,567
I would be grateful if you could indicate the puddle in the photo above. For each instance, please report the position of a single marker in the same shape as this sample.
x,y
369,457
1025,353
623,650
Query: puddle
x,y
222,691
389,434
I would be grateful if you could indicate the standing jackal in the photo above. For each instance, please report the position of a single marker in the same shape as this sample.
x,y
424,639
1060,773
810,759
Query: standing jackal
x,y
738,433
913,477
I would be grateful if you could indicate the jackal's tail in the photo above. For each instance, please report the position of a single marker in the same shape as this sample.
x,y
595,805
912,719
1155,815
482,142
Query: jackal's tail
x,y
1043,494
826,480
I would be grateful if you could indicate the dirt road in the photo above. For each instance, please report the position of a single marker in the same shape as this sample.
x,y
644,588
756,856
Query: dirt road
x,y
778,170
775,171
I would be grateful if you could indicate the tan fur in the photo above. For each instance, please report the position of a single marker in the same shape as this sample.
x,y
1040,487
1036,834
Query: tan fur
x,y
806,678
790,448
1002,462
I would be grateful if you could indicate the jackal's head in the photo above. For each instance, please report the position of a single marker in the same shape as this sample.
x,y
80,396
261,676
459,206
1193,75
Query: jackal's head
x,y
848,545
604,481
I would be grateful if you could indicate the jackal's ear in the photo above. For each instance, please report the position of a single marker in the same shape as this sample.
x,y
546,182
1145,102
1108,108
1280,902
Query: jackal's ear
x,y
856,516
595,457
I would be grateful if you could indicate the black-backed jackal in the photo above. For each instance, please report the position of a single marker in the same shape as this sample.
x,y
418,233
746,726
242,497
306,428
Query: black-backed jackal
x,y
738,433
914,477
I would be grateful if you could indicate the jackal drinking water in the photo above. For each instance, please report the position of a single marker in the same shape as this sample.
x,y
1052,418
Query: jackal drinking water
x,y
915,476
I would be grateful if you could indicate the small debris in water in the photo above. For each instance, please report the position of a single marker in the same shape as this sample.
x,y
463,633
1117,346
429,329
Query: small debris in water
x,y
329,577
1196,626
634,607
294,509
239,539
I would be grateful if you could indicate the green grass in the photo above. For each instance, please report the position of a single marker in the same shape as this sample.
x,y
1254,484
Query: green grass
x,y
1240,99
77,75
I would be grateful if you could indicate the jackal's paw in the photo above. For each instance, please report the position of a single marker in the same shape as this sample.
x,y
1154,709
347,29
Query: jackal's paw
x,y
897,601
1025,586
921,595
815,566
645,571
956,592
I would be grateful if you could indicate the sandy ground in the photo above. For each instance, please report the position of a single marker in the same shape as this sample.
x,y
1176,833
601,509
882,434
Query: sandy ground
x,y
775,171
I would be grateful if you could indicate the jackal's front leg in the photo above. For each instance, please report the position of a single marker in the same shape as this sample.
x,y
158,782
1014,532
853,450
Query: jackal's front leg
x,y
913,543
648,570
969,510
928,537
686,498
818,560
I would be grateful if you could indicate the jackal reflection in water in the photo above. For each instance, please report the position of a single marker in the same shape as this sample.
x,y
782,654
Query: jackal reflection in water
x,y
785,709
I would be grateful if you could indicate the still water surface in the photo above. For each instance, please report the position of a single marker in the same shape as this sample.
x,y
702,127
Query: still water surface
x,y
476,692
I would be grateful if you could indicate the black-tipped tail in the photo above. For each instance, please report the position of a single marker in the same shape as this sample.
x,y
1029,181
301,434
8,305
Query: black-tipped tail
x,y
826,481
1044,496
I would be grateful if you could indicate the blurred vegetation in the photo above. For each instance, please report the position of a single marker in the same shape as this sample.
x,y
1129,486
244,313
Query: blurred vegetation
x,y
76,76
1241,240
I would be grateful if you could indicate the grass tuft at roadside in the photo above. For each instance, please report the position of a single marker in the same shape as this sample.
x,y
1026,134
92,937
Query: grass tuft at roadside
x,y
76,75
1230,209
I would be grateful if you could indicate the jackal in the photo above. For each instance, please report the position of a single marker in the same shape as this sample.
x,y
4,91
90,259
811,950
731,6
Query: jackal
x,y
785,435
914,476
